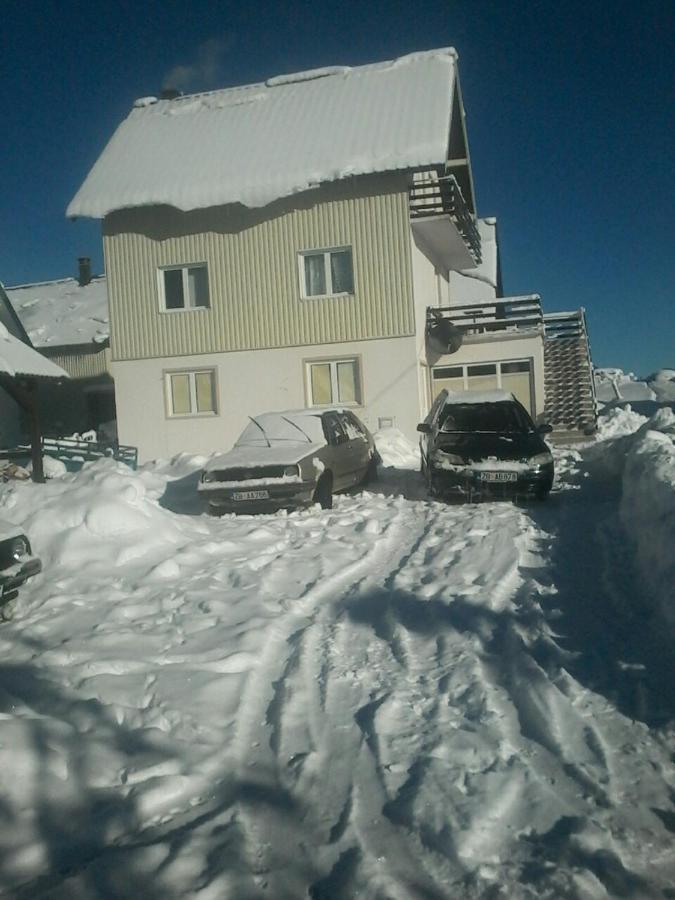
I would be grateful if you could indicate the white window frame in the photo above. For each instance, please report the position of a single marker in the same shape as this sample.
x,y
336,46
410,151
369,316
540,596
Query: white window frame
x,y
182,267
191,373
333,362
325,252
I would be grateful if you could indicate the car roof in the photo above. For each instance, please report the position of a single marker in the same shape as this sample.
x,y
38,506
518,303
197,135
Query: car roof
x,y
478,397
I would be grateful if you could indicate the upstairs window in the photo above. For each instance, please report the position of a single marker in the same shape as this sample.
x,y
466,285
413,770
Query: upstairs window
x,y
324,273
184,287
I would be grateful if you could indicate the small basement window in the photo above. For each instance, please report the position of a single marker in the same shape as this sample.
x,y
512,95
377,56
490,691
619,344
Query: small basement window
x,y
191,393
184,287
334,381
325,273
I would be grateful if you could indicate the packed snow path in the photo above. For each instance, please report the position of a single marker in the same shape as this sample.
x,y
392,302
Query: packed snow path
x,y
393,699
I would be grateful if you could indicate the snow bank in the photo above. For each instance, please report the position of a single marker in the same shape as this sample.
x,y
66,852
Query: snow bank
x,y
103,517
396,450
648,505
662,383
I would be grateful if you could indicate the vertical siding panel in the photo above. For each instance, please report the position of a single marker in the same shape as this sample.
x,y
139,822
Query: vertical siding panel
x,y
253,272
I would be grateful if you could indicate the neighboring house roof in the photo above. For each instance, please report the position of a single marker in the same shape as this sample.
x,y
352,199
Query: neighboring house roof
x,y
258,143
61,313
17,358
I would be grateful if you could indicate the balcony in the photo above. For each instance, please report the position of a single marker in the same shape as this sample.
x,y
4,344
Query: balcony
x,y
507,316
444,229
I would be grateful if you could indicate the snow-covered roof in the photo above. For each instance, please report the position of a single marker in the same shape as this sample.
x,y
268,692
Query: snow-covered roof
x,y
17,358
260,142
61,313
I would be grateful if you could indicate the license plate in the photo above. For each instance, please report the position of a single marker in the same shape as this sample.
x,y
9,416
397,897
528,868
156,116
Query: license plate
x,y
251,495
497,476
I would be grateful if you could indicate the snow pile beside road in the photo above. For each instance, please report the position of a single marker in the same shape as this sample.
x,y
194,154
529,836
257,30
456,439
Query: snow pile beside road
x,y
396,450
619,421
648,504
662,383
104,516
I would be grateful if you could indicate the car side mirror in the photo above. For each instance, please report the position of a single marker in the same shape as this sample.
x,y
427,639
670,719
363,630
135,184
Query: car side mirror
x,y
545,428
424,427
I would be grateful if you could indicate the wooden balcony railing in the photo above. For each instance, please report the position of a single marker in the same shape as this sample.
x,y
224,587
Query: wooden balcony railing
x,y
504,314
443,196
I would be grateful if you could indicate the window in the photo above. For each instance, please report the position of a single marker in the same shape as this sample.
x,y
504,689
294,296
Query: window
x,y
332,428
184,287
191,393
333,381
324,273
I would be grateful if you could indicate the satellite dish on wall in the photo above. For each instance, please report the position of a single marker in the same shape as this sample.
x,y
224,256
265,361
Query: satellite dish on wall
x,y
442,336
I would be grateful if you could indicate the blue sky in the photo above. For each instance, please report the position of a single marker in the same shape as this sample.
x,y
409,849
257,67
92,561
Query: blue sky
x,y
570,109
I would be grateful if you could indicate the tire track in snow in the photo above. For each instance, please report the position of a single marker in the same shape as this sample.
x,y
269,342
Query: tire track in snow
x,y
329,714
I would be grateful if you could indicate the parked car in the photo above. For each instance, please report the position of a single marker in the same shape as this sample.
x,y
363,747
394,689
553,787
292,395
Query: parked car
x,y
17,563
285,460
484,444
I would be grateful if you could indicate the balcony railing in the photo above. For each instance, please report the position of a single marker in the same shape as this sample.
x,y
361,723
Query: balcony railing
x,y
443,196
505,314
565,324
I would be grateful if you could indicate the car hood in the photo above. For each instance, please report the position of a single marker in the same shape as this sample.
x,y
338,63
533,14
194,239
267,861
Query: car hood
x,y
479,446
285,453
7,530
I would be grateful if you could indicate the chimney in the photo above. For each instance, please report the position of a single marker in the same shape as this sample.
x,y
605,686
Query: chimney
x,y
84,264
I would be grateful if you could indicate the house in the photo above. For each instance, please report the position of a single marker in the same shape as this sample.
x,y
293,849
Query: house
x,y
305,241
67,322
10,415
23,372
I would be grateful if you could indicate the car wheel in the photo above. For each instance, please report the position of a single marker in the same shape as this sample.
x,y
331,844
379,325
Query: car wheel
x,y
215,510
323,494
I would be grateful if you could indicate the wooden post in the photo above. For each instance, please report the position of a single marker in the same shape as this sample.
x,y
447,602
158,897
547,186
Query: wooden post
x,y
35,433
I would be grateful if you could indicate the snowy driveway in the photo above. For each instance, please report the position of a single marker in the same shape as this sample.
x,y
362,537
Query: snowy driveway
x,y
385,700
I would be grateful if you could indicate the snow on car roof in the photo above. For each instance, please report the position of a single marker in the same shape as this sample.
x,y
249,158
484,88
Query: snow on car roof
x,y
261,142
290,425
479,397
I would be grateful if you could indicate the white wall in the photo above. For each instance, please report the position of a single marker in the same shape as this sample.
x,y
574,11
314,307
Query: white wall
x,y
251,382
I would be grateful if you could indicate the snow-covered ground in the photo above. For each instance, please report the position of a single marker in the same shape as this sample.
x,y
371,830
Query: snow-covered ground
x,y
396,698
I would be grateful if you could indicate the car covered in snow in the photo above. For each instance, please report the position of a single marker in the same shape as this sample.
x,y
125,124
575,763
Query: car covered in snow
x,y
478,445
286,460
17,563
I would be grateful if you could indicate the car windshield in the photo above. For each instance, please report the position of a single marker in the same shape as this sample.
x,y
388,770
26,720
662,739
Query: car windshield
x,y
484,417
277,428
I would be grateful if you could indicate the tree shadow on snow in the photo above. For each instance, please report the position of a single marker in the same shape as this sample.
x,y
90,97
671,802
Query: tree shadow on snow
x,y
56,742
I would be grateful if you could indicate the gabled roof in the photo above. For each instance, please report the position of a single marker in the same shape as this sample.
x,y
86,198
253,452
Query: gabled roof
x,y
62,313
258,143
17,358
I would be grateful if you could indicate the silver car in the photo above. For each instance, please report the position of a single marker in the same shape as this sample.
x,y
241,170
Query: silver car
x,y
286,460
